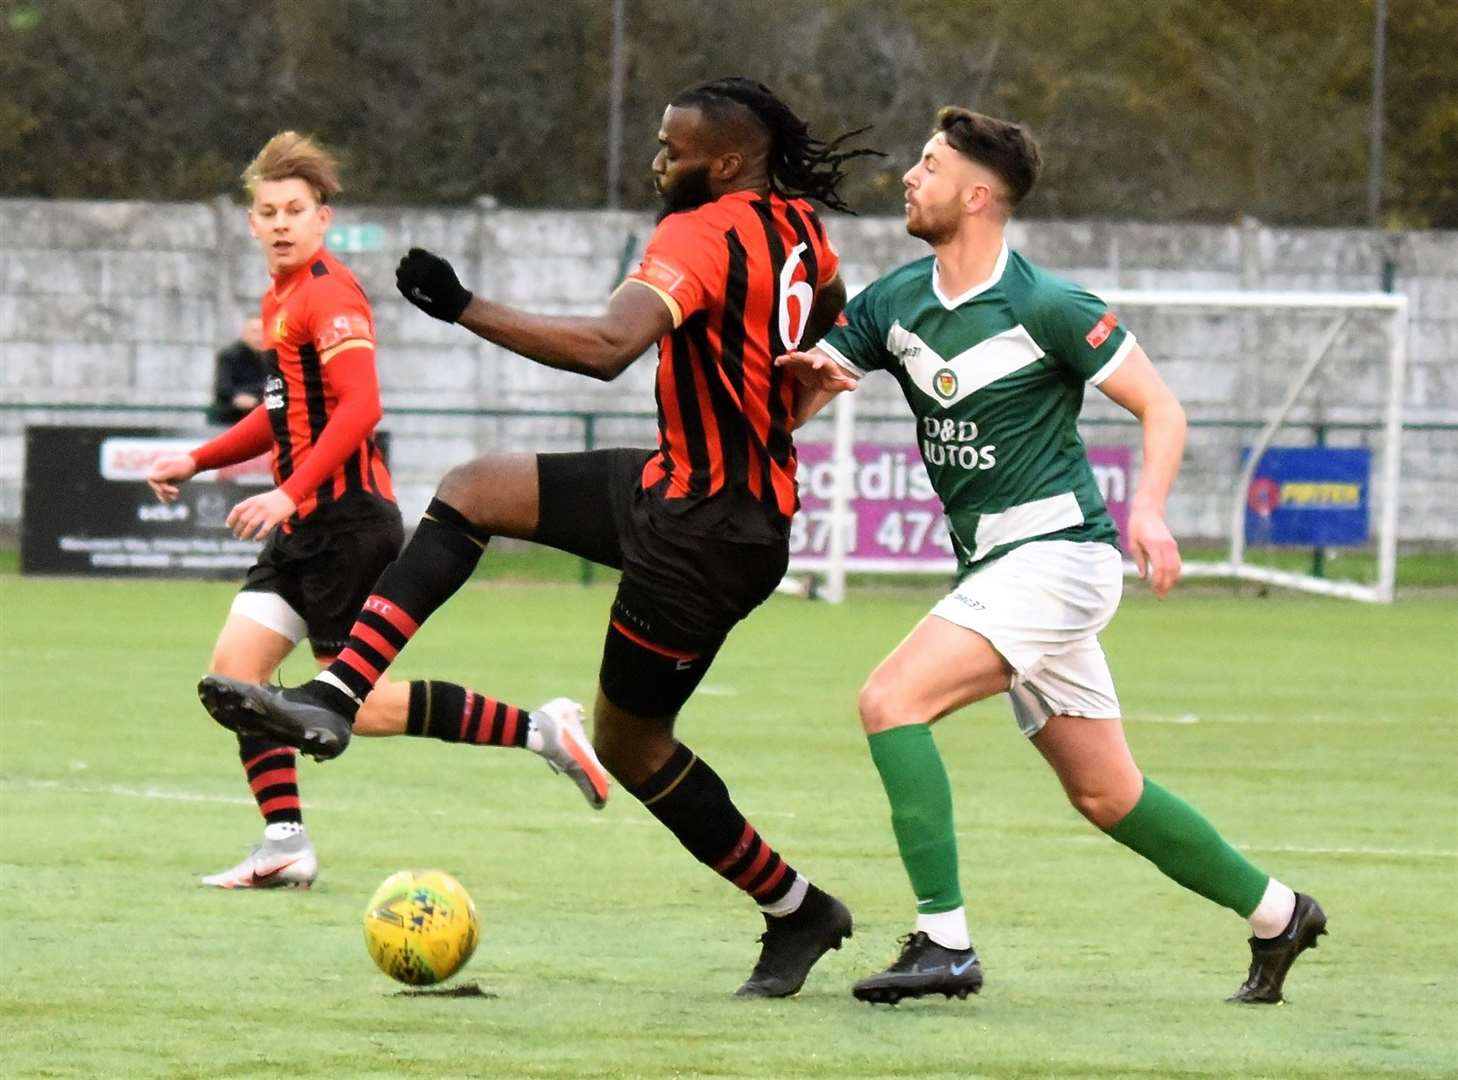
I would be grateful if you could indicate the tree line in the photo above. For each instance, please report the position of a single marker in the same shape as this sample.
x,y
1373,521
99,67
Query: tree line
x,y
1154,110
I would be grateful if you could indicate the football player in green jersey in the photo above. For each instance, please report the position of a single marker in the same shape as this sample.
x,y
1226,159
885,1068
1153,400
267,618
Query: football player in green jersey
x,y
992,354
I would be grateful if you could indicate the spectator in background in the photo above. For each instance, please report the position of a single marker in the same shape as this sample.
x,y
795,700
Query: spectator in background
x,y
238,382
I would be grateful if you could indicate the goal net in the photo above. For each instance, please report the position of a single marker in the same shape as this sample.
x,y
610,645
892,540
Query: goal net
x,y
1292,468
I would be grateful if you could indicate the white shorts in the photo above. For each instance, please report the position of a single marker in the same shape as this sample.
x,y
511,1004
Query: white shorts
x,y
1042,606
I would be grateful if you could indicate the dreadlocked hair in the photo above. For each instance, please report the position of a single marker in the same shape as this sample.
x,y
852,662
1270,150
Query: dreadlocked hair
x,y
799,163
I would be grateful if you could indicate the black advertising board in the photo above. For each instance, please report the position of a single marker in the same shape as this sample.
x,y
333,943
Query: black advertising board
x,y
87,509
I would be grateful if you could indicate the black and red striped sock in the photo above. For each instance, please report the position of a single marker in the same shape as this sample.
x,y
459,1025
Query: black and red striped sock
x,y
274,779
451,713
690,799
439,559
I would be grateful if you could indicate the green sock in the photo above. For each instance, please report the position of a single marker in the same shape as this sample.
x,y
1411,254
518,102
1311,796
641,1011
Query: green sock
x,y
921,813
1173,835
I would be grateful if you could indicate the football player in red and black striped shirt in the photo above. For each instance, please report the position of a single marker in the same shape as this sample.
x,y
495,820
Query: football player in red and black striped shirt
x,y
738,270
331,522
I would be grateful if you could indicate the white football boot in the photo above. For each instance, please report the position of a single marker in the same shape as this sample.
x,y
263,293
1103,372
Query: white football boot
x,y
566,748
289,863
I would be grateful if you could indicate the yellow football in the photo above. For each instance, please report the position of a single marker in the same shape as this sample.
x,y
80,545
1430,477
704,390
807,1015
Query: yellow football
x,y
421,926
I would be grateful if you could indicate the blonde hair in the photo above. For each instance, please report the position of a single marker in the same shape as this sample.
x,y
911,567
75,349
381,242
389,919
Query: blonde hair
x,y
288,155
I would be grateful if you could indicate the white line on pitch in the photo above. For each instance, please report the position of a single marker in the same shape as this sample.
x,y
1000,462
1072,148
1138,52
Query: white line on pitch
x,y
123,790
127,792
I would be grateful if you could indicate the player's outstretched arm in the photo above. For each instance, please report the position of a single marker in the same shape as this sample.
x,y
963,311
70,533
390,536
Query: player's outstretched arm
x,y
820,379
167,472
601,346
1137,387
815,370
246,439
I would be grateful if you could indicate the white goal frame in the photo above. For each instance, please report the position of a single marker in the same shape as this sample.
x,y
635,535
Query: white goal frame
x,y
834,565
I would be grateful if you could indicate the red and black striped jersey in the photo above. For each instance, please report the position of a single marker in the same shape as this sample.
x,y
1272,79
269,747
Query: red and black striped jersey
x,y
319,369
740,275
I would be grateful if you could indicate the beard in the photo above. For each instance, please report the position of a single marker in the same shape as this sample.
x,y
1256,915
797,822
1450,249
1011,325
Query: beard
x,y
932,227
689,191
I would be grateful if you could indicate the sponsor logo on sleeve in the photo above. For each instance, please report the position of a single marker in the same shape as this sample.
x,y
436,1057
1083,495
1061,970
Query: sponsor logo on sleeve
x,y
1101,330
343,328
664,275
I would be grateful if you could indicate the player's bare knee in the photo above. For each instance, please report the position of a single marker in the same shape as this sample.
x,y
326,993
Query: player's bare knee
x,y
880,708
245,668
464,487
496,492
1102,809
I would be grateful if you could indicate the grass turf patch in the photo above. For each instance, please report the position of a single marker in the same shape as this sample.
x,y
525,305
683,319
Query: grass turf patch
x,y
1316,734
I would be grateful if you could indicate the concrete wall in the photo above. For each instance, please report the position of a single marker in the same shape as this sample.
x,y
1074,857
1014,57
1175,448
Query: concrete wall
x,y
125,303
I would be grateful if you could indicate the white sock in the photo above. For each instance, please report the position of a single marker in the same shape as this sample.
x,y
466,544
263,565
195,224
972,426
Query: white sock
x,y
1273,913
791,900
534,742
947,928
282,830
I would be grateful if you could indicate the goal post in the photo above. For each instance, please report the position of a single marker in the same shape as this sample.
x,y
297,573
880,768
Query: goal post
x,y
1392,307
1294,365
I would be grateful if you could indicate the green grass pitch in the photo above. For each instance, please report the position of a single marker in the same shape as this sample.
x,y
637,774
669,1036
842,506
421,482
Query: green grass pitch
x,y
1318,735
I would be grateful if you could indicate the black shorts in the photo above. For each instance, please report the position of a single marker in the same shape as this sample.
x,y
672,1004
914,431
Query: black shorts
x,y
326,568
681,592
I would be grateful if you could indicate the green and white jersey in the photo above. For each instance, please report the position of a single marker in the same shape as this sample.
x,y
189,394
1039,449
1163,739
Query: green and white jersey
x,y
995,378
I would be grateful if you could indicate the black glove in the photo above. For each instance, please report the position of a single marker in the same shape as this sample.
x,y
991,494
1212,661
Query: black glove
x,y
430,283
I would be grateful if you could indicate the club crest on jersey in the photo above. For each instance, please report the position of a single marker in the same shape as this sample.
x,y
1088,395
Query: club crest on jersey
x,y
281,327
945,383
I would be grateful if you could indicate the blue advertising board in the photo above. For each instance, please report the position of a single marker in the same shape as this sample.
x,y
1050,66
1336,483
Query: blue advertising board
x,y
1310,496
